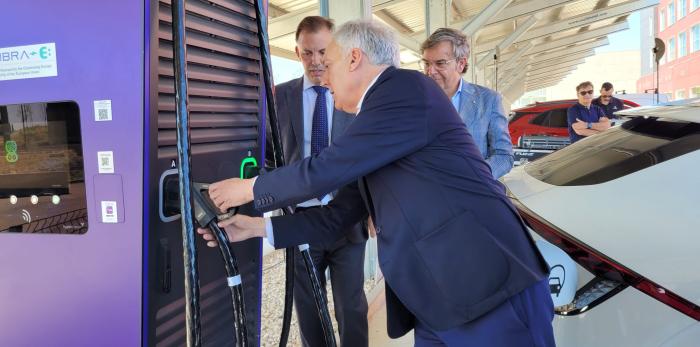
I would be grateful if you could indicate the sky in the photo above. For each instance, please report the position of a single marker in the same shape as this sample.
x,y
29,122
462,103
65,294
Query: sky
x,y
626,40
284,69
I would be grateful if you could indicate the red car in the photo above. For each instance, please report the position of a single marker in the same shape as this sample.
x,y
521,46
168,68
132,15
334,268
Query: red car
x,y
543,119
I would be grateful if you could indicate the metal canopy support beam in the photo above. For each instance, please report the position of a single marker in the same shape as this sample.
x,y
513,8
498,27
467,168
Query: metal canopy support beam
x,y
286,24
518,77
514,11
345,11
516,59
508,41
477,22
437,15
575,39
558,75
579,21
544,84
514,92
554,69
572,50
555,79
561,60
543,76
323,8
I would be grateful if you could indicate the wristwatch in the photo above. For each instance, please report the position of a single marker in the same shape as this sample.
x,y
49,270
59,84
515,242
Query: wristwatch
x,y
590,125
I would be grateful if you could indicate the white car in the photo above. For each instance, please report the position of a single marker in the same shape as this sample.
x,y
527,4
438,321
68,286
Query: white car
x,y
624,205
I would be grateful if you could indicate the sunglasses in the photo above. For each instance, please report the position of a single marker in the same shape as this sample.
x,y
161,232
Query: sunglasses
x,y
606,96
584,92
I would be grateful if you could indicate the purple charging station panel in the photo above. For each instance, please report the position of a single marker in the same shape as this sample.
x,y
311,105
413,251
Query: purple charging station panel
x,y
80,289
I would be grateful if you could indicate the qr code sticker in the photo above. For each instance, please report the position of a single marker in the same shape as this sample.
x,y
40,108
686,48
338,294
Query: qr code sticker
x,y
103,110
102,115
105,162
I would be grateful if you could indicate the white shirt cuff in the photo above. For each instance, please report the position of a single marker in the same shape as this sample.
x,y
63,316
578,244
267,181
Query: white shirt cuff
x,y
269,231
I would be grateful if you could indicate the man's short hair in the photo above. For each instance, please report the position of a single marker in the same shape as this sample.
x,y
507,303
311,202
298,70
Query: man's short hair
x,y
376,41
459,41
312,24
607,86
583,85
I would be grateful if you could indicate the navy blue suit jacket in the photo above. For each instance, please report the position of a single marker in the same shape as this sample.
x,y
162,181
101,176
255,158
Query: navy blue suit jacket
x,y
290,115
451,246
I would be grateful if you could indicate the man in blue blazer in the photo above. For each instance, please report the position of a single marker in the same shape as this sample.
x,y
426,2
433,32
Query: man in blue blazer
x,y
298,111
444,59
459,265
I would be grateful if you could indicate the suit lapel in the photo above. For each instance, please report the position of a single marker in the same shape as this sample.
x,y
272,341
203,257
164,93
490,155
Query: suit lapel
x,y
296,104
468,107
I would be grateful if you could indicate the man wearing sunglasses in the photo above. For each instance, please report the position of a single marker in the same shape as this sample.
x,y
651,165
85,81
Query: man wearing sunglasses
x,y
585,119
607,101
444,60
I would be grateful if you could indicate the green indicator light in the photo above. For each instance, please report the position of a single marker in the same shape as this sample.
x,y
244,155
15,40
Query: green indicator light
x,y
11,149
11,157
248,161
10,146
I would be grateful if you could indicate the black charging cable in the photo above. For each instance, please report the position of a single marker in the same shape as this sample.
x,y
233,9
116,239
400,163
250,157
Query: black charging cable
x,y
206,216
319,297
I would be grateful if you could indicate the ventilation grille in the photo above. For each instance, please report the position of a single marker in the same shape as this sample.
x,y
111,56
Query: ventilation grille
x,y
223,69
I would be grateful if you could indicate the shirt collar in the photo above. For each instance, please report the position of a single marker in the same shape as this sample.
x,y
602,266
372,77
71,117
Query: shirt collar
x,y
362,99
459,88
307,83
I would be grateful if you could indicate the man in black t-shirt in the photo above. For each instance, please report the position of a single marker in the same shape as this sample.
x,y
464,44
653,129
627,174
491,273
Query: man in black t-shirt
x,y
607,101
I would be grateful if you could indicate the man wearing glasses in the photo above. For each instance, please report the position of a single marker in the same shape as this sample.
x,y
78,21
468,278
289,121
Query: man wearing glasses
x,y
444,60
585,119
608,102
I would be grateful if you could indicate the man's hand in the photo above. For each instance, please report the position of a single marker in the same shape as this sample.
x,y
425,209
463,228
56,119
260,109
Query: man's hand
x,y
602,124
370,228
580,127
232,192
238,228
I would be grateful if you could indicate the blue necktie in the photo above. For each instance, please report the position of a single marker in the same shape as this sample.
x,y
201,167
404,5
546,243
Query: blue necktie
x,y
319,127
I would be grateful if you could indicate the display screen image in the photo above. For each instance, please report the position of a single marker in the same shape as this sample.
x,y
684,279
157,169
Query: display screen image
x,y
42,183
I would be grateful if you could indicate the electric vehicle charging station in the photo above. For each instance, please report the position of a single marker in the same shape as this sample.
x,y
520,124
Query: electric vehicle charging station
x,y
90,247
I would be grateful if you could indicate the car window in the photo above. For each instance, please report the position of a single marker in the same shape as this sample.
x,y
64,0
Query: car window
x,y
541,119
635,145
516,116
557,118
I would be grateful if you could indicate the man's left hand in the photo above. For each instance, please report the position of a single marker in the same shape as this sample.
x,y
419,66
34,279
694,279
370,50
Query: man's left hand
x,y
230,193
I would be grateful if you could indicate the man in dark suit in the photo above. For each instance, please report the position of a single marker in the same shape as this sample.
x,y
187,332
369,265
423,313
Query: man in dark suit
x,y
304,127
459,265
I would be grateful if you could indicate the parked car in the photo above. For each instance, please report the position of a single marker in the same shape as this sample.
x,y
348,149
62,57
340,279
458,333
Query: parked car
x,y
622,208
541,128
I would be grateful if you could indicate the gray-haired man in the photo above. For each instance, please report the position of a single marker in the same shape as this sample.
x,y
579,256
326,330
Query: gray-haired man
x,y
445,55
459,266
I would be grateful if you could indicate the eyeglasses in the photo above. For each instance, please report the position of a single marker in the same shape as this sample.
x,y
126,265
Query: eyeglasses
x,y
584,92
606,96
438,64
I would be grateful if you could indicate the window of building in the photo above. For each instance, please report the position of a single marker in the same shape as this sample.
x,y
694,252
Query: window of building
x,y
662,19
694,5
682,45
680,94
695,92
671,49
671,13
695,38
682,8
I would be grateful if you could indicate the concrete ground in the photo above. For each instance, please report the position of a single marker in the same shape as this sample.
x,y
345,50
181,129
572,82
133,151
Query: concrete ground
x,y
377,323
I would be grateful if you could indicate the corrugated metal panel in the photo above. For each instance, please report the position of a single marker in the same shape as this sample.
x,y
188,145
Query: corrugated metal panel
x,y
223,73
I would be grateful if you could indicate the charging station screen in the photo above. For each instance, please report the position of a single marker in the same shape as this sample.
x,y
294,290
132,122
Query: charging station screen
x,y
42,183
